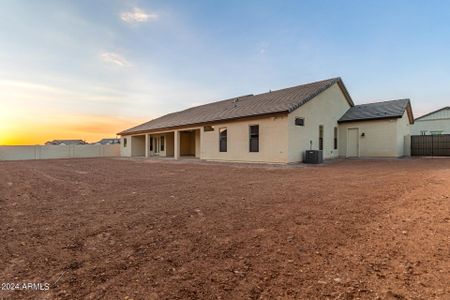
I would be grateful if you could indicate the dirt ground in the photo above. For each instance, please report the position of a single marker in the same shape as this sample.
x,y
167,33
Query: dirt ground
x,y
145,229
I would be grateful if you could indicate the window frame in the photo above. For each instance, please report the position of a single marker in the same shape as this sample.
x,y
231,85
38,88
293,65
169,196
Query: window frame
x,y
299,119
223,139
250,138
335,139
321,134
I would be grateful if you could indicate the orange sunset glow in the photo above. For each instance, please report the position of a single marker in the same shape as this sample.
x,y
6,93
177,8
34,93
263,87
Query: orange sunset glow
x,y
26,131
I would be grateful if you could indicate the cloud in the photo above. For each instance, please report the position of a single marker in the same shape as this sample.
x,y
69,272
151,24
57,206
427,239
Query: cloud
x,y
137,15
114,58
263,47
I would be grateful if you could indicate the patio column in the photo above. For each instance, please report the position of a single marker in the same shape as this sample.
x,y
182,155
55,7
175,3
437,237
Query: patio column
x,y
147,145
201,143
176,144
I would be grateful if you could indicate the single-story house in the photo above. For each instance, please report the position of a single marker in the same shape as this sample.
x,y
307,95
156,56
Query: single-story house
x,y
66,142
376,129
275,127
436,122
109,141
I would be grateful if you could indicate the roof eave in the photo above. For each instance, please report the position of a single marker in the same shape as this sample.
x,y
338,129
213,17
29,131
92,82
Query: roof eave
x,y
369,119
345,92
410,113
201,123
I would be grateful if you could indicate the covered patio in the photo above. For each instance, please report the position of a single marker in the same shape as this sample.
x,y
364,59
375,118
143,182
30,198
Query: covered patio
x,y
172,144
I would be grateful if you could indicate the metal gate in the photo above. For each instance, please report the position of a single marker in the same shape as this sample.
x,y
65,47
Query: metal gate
x,y
430,145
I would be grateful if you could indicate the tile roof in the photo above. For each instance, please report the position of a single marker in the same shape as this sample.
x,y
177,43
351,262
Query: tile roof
x,y
284,100
377,110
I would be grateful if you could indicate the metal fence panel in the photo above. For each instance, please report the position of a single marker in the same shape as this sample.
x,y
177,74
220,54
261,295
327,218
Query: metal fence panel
x,y
430,145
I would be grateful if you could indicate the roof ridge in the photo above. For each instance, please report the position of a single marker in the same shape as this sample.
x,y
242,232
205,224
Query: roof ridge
x,y
277,101
184,110
315,93
384,101
218,101
334,79
430,113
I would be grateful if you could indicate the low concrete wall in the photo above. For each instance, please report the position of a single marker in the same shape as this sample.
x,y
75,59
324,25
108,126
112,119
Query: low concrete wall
x,y
57,151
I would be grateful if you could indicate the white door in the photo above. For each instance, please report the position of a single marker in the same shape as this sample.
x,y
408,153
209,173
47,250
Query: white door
x,y
353,142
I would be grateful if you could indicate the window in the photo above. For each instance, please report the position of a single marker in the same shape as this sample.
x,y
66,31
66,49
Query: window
x,y
162,143
299,122
320,137
151,144
208,128
254,138
223,139
124,142
335,138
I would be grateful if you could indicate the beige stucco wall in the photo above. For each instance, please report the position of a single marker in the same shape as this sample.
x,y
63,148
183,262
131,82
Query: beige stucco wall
x,y
273,141
382,138
325,109
138,145
57,151
19,152
125,151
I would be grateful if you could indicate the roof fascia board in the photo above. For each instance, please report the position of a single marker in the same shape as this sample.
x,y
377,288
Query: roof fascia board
x,y
370,119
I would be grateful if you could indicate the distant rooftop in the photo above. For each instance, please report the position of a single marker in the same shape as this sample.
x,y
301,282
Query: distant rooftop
x,y
433,112
66,142
108,141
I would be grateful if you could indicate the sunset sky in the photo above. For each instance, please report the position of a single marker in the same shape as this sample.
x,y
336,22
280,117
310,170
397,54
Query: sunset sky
x,y
87,69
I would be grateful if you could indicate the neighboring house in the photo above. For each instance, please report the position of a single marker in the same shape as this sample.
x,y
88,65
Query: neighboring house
x,y
108,141
277,127
66,142
436,122
376,129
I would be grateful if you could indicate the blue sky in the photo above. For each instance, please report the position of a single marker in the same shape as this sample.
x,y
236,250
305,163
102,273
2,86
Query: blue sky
x,y
116,63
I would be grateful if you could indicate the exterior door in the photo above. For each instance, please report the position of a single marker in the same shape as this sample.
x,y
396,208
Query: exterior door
x,y
353,142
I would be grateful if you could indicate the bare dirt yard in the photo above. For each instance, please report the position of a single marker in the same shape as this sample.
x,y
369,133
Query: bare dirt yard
x,y
146,229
